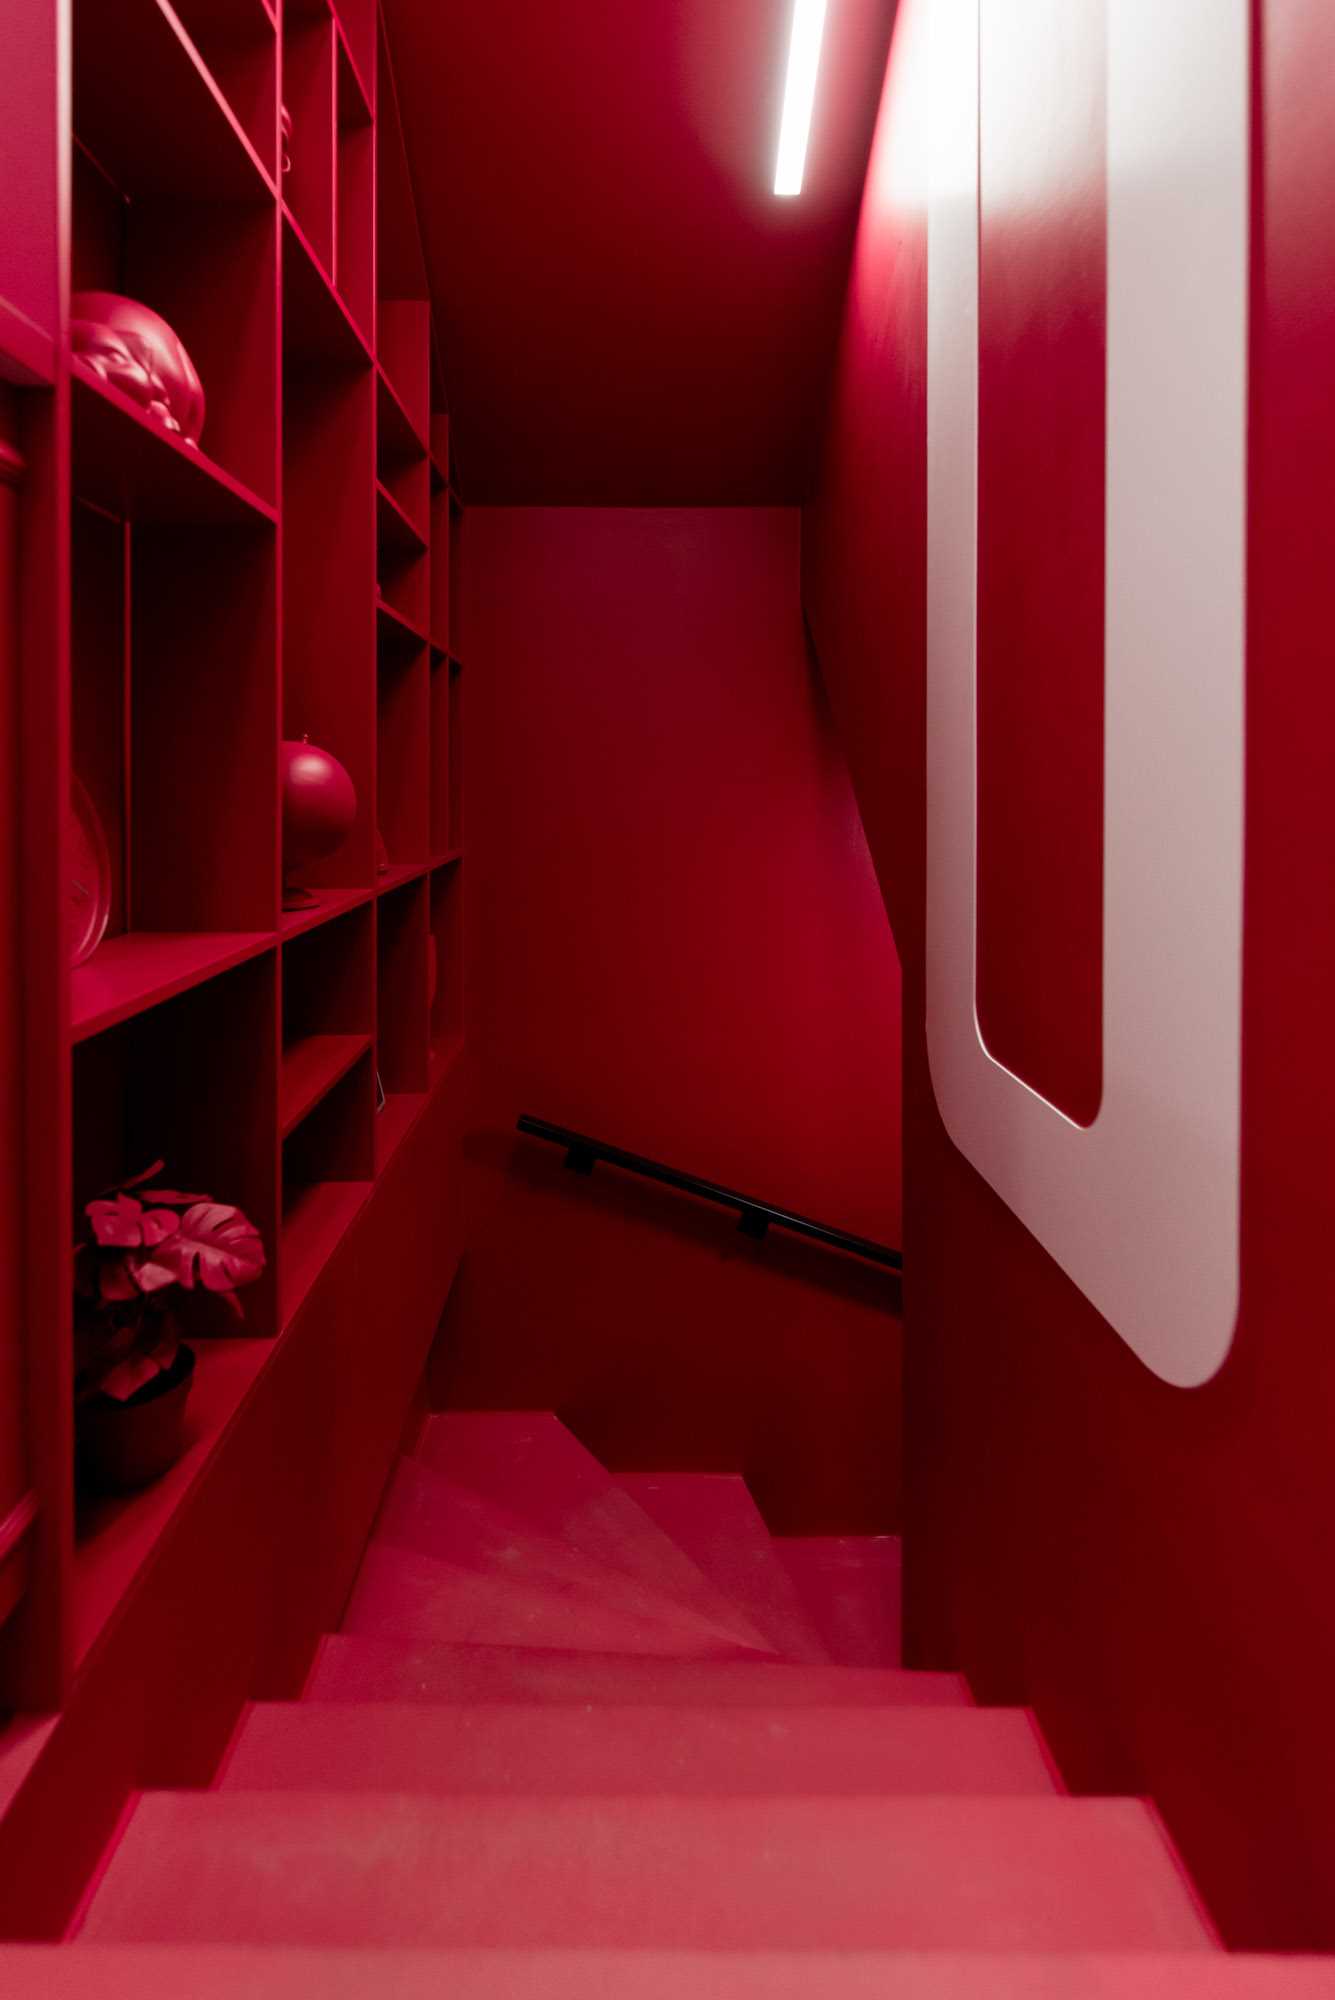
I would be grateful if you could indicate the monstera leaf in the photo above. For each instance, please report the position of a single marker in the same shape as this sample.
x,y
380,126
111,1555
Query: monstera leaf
x,y
122,1223
214,1245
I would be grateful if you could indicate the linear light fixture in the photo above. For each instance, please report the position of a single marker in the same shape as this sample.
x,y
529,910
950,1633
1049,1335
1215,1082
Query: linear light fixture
x,y
799,93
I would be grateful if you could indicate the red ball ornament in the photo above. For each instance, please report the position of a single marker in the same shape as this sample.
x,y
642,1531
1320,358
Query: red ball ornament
x,y
319,807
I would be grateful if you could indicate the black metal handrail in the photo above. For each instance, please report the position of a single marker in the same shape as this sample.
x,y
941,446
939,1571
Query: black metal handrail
x,y
754,1217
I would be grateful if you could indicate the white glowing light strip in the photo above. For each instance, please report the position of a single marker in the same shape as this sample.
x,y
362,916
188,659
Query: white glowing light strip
x,y
799,94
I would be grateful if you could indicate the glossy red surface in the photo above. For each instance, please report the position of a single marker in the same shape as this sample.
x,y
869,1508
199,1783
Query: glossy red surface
x,y
633,317
1144,1565
675,943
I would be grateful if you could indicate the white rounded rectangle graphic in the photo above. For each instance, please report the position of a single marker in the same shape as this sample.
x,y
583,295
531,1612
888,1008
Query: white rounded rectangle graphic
x,y
1140,1208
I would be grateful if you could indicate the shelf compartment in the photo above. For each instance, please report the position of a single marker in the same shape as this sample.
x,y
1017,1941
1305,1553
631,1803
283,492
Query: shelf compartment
x,y
329,625
126,463
403,755
316,323
210,269
116,1533
400,267
203,847
309,99
311,1068
194,1084
403,574
356,26
328,1011
396,631
171,132
398,534
239,48
328,1167
354,195
403,349
138,970
402,438
402,998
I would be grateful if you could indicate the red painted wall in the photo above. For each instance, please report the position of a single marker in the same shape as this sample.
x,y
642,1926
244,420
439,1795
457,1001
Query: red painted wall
x,y
675,942
1148,1566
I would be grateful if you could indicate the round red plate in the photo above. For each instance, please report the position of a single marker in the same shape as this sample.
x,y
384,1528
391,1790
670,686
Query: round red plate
x,y
87,877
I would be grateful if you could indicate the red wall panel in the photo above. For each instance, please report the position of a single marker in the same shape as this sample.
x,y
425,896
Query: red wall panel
x,y
1146,1565
1042,251
676,943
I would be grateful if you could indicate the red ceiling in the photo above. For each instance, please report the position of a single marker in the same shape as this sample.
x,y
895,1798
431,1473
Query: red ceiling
x,y
629,315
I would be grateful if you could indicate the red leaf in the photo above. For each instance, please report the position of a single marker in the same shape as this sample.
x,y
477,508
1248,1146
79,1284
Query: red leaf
x,y
214,1243
116,1281
174,1197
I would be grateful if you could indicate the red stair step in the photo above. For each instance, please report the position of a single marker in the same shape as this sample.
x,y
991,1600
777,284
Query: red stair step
x,y
400,1593
713,1518
369,1669
581,1752
531,1462
850,1586
222,1972
436,1517
1049,1874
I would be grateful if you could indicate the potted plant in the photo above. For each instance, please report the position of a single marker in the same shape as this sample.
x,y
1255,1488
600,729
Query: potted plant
x,y
141,1247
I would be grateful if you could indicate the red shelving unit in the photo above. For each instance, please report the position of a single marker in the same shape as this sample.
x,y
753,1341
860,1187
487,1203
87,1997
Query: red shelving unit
x,y
193,606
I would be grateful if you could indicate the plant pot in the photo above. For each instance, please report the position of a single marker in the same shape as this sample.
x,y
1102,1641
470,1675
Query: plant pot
x,y
126,1445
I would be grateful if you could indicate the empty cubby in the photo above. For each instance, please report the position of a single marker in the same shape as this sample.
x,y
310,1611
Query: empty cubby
x,y
403,748
328,1167
328,1011
402,1020
308,100
354,197
238,42
357,22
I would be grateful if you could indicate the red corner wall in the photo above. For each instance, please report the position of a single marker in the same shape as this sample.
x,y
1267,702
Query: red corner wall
x,y
676,943
1149,1566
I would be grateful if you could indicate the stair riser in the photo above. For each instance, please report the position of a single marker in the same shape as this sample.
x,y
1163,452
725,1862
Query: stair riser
x,y
367,1669
717,1875
575,1752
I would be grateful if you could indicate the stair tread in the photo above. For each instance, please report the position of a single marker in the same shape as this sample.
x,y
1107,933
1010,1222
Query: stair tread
x,y
588,1750
712,1516
222,1972
530,1461
358,1668
850,1586
399,1592
435,1516
722,1874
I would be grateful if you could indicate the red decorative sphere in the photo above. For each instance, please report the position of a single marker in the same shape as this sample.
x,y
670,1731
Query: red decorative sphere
x,y
319,803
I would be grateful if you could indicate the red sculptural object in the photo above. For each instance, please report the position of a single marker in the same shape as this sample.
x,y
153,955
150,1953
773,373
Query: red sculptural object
x,y
319,807
133,348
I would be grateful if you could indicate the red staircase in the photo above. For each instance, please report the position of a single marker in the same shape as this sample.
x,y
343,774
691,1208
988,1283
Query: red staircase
x,y
582,1736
